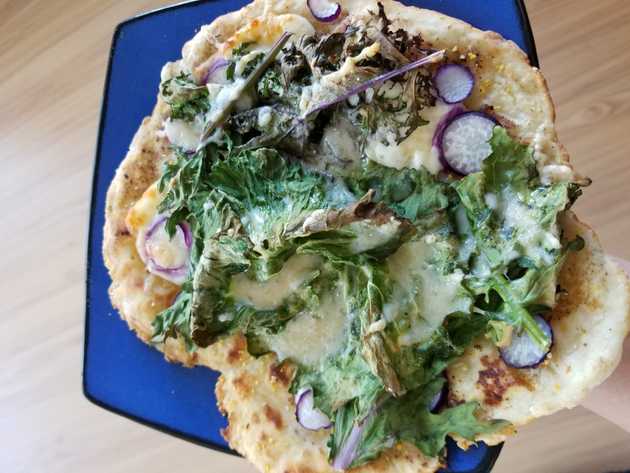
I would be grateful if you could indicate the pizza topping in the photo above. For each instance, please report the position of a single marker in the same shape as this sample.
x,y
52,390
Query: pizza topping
x,y
325,230
324,10
217,72
226,102
374,82
166,255
465,142
454,83
307,414
524,352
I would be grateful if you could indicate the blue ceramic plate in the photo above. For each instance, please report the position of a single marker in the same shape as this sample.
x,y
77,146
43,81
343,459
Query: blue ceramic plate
x,y
120,373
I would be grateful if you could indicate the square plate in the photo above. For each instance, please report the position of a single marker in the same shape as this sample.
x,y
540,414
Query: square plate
x,y
120,373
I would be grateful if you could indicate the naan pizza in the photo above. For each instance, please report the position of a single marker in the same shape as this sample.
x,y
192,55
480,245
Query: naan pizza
x,y
359,213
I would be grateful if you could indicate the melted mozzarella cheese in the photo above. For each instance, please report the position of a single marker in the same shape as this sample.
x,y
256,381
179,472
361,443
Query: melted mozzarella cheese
x,y
310,338
165,251
144,210
416,150
271,293
372,236
435,295
183,134
264,32
534,241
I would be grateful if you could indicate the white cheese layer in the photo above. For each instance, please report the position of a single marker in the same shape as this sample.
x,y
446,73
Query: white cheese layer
x,y
271,293
183,134
310,338
370,236
414,152
419,286
165,251
533,240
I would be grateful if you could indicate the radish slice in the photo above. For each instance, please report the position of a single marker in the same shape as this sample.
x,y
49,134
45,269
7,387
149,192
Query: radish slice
x,y
465,142
165,256
523,352
307,414
454,83
216,73
324,10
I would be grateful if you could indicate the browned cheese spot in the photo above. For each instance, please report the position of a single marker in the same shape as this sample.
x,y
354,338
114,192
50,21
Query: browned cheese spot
x,y
299,469
220,393
122,232
497,378
281,373
236,352
243,385
273,416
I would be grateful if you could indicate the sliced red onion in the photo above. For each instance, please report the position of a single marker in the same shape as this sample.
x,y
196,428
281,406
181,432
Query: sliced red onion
x,y
324,10
307,414
348,451
175,271
454,83
378,80
439,399
216,72
523,351
464,141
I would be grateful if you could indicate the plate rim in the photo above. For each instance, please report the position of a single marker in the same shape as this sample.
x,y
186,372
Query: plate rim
x,y
493,451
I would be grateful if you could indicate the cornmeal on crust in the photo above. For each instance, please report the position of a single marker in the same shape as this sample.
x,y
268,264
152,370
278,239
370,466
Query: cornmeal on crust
x,y
590,321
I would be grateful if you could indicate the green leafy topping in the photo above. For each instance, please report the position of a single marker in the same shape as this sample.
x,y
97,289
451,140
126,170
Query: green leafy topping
x,y
420,265
185,97
411,421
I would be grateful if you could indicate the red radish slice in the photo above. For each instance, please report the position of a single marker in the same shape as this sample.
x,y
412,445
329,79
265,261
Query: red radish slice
x,y
307,414
454,83
216,72
465,141
324,10
523,351
165,256
444,122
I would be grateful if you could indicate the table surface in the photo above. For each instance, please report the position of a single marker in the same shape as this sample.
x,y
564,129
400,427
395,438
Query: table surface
x,y
53,57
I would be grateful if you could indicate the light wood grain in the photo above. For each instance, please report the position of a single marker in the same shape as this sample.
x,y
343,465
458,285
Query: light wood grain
x,y
53,55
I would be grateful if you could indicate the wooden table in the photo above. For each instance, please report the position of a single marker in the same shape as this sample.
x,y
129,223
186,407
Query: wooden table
x,y
53,55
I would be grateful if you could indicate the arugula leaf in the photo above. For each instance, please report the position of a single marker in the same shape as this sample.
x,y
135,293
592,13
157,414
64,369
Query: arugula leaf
x,y
185,97
270,85
406,419
175,320
220,260
237,53
412,194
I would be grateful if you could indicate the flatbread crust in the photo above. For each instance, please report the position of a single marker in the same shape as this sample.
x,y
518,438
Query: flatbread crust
x,y
254,392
